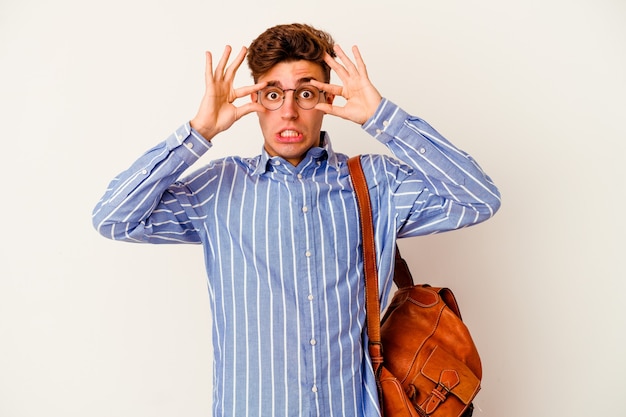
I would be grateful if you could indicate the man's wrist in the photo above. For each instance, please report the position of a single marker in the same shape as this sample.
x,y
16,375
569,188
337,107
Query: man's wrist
x,y
207,133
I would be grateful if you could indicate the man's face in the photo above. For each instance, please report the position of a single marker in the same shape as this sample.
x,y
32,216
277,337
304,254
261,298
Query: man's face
x,y
291,131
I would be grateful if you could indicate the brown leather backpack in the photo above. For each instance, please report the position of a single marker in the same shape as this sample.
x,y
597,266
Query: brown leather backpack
x,y
430,366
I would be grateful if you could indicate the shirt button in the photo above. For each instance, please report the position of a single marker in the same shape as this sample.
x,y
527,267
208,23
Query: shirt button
x,y
422,150
179,137
305,209
299,176
189,145
314,388
310,297
386,123
307,254
378,131
313,342
144,171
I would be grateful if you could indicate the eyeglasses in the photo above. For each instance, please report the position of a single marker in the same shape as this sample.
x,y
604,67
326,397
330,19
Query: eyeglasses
x,y
306,96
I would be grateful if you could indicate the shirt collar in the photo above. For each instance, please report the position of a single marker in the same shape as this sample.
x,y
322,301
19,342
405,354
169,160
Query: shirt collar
x,y
315,154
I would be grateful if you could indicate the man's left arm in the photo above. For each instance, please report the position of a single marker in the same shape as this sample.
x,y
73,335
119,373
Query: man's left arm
x,y
441,187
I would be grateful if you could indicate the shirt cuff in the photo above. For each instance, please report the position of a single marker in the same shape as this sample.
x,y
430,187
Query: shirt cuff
x,y
188,143
386,122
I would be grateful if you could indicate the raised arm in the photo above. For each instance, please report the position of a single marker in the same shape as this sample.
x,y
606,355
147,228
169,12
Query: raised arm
x,y
145,203
438,187
435,186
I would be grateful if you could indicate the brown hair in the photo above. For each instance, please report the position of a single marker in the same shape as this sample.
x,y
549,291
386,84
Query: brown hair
x,y
293,42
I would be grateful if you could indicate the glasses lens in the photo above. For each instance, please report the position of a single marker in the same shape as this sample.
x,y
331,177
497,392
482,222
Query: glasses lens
x,y
271,97
307,96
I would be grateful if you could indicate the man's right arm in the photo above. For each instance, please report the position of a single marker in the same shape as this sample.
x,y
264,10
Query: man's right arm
x,y
143,203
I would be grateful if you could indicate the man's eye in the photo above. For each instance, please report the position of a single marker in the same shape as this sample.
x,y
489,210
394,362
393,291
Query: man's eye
x,y
306,94
272,95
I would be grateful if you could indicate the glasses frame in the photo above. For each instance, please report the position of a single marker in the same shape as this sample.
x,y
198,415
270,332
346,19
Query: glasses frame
x,y
284,94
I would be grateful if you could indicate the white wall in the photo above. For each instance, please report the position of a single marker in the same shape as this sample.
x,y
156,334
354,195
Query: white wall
x,y
535,90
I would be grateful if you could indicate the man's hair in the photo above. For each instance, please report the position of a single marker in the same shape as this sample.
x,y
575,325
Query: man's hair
x,y
285,43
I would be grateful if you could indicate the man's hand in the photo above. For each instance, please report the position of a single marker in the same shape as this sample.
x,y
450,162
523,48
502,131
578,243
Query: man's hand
x,y
217,111
362,98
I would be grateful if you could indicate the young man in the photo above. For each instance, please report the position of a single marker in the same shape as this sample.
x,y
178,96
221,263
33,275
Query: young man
x,y
280,231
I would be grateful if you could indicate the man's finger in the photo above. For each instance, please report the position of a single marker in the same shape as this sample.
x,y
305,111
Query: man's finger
x,y
219,70
348,64
208,70
232,68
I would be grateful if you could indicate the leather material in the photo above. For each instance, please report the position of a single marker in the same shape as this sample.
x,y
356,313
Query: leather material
x,y
423,355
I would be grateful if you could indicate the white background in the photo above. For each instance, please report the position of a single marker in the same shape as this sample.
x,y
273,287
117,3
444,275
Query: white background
x,y
534,90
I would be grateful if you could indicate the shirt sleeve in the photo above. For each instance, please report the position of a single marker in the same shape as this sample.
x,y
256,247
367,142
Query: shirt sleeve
x,y
144,203
435,186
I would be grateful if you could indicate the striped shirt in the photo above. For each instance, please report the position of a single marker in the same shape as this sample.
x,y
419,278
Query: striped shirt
x,y
282,252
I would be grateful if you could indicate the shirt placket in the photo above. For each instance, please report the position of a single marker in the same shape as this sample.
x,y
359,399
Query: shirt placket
x,y
310,336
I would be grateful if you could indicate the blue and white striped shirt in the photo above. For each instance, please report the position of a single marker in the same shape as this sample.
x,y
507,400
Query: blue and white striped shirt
x,y
283,257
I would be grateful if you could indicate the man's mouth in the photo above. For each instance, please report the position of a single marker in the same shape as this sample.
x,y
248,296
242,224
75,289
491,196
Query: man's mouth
x,y
289,135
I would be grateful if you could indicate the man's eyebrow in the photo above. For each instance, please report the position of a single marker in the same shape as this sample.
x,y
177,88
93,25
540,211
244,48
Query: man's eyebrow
x,y
276,83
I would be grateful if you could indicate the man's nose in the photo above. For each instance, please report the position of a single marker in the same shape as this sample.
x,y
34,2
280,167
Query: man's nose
x,y
290,107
